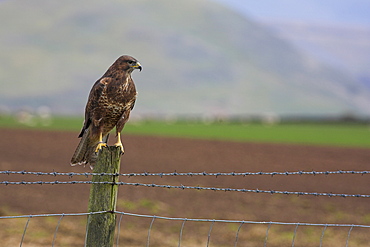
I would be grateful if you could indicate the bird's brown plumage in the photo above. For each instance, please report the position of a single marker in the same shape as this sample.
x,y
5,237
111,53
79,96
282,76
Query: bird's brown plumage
x,y
110,102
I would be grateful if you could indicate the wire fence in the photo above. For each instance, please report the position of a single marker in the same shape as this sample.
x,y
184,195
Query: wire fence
x,y
184,221
189,174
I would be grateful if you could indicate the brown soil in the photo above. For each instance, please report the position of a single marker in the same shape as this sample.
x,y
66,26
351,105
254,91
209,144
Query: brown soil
x,y
51,151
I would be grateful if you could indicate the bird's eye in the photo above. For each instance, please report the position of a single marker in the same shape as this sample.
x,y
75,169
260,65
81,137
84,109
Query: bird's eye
x,y
130,62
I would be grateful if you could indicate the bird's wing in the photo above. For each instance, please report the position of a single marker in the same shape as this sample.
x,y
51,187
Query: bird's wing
x,y
133,103
93,101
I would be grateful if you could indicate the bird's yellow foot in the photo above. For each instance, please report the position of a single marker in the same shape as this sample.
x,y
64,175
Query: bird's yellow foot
x,y
119,143
100,146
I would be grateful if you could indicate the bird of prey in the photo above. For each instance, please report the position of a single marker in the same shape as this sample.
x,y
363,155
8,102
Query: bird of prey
x,y
110,102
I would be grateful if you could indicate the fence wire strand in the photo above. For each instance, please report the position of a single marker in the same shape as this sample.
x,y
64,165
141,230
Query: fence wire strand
x,y
56,230
25,229
322,235
237,234
267,234
181,230
188,174
150,229
295,234
348,235
183,219
183,187
209,233
119,229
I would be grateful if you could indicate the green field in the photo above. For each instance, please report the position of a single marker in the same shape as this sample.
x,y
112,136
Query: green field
x,y
323,134
351,135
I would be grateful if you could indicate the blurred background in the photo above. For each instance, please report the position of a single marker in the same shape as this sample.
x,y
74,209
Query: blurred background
x,y
212,70
202,58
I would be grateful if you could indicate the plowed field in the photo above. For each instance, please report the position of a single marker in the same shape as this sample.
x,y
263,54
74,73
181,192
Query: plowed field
x,y
51,151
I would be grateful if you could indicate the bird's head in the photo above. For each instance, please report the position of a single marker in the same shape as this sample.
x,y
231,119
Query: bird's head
x,y
128,63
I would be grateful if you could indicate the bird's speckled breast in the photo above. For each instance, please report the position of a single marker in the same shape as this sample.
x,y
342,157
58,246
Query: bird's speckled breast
x,y
115,107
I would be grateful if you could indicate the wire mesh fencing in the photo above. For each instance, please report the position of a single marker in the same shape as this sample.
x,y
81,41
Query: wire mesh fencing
x,y
265,236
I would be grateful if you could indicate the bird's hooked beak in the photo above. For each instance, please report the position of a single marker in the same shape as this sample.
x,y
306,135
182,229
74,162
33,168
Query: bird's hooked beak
x,y
137,66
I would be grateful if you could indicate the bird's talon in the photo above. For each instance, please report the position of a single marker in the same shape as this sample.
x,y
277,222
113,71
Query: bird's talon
x,y
100,146
118,144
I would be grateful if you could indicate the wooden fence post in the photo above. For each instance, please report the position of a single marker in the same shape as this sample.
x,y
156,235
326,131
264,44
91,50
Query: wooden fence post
x,y
103,197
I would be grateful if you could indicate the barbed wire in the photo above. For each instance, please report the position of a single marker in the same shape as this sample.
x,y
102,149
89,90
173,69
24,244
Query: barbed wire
x,y
183,187
189,174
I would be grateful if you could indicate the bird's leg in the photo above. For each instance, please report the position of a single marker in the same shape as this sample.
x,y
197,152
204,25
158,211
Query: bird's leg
x,y
119,143
100,143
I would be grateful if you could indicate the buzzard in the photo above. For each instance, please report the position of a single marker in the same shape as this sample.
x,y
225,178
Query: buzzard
x,y
110,102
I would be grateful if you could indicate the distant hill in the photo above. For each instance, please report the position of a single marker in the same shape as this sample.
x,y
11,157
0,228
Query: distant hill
x,y
344,47
198,57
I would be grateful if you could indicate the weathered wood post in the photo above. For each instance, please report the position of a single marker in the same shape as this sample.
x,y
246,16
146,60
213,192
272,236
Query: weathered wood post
x,y
103,197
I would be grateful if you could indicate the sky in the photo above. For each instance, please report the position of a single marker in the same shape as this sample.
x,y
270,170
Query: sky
x,y
335,12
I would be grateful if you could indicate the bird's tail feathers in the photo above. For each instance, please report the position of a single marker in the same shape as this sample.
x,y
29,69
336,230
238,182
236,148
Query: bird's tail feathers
x,y
81,154
85,151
